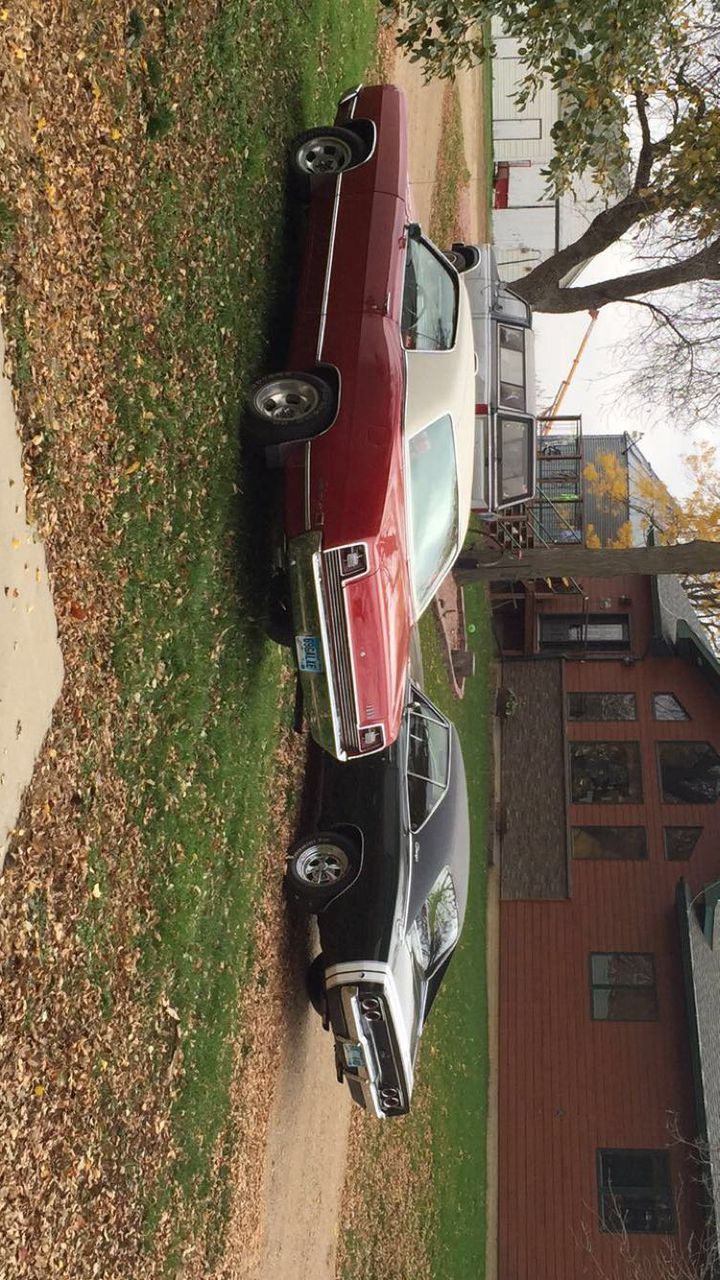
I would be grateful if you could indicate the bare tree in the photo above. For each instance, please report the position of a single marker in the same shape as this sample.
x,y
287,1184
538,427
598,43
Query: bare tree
x,y
674,358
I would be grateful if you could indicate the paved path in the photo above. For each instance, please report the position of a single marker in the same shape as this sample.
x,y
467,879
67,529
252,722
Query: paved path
x,y
31,667
425,105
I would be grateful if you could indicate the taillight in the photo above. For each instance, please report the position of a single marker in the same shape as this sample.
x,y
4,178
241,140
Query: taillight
x,y
371,739
353,560
390,1098
371,1008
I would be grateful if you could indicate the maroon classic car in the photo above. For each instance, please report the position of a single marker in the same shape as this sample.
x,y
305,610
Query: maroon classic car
x,y
377,416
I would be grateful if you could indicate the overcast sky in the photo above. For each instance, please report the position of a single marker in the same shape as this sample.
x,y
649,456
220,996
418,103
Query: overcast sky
x,y
595,390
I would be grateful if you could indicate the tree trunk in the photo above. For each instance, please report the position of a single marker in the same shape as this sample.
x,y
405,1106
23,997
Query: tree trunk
x,y
542,289
482,563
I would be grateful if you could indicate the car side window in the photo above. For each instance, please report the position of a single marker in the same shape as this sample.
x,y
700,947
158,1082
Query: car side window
x,y
428,763
437,924
515,441
430,300
511,344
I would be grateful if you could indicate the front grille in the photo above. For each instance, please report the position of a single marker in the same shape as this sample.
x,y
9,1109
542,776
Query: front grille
x,y
334,603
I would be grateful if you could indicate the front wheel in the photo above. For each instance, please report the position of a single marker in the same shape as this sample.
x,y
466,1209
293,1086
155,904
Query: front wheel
x,y
319,868
287,407
326,151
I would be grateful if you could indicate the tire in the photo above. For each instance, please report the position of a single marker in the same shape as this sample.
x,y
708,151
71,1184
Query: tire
x,y
278,623
287,407
315,984
462,257
319,868
325,152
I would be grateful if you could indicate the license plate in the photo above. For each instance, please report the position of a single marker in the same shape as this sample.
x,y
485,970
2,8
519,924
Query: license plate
x,y
353,1056
309,654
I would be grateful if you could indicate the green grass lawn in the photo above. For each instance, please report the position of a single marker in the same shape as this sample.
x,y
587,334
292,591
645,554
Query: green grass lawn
x,y
455,1051
204,691
171,266
426,1176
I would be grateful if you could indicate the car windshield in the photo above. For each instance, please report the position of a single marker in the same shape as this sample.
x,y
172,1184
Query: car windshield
x,y
428,762
430,300
433,506
515,440
437,925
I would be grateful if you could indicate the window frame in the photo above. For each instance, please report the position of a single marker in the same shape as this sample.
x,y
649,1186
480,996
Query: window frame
x,y
520,409
605,693
422,601
608,857
623,986
452,276
586,645
512,416
587,744
680,826
425,711
681,719
662,1183
664,743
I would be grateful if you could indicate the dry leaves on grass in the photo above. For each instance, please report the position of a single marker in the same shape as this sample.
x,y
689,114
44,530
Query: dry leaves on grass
x,y
385,1202
89,1059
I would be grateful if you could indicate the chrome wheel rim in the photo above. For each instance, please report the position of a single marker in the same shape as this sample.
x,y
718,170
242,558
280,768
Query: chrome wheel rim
x,y
324,155
286,400
322,864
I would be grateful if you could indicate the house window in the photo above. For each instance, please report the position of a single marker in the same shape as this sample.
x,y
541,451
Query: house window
x,y
667,707
601,706
622,986
689,772
626,843
680,842
595,632
605,773
635,1191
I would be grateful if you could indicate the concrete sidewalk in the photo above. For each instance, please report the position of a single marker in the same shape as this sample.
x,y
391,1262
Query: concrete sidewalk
x,y
31,666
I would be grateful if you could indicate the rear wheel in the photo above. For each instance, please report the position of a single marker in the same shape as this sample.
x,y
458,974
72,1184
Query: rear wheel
x,y
325,151
287,407
319,868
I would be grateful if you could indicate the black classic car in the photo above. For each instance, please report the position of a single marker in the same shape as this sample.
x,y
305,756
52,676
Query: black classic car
x,y
386,872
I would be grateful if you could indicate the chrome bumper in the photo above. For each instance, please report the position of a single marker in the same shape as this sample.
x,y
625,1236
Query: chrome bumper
x,y
367,1077
309,618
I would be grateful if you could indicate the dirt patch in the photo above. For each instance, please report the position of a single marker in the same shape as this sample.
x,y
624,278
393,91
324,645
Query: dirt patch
x,y
289,1117
449,610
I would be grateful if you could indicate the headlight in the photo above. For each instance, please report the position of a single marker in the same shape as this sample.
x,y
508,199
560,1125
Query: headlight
x,y
353,560
371,739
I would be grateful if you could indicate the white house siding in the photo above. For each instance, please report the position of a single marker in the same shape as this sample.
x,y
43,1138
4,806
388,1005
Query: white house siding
x,y
542,111
533,225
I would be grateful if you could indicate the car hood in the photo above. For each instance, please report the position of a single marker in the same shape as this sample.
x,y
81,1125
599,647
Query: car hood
x,y
378,610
